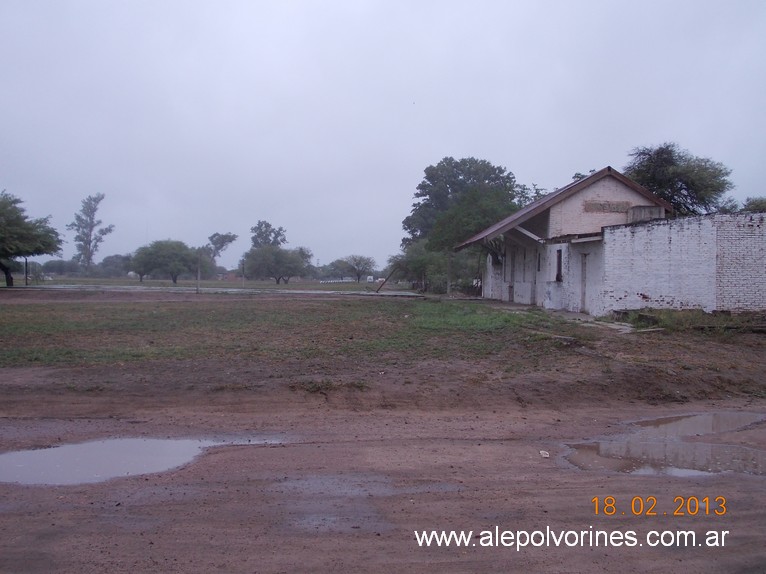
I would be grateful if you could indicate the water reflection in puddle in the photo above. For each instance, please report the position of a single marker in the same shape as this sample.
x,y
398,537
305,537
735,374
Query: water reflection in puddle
x,y
658,447
102,460
347,503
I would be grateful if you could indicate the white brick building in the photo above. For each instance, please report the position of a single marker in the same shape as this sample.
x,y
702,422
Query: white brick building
x,y
602,244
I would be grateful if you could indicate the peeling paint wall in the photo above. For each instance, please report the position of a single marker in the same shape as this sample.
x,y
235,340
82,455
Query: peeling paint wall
x,y
492,281
581,281
521,272
528,275
606,202
713,262
661,264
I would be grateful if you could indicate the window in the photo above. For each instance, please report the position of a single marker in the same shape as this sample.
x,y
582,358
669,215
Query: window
x,y
559,275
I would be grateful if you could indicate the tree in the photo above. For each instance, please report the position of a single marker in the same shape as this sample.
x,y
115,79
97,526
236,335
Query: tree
x,y
526,194
728,205
425,269
450,180
578,175
305,256
165,257
21,236
337,269
141,263
456,199
266,234
88,234
275,262
61,266
360,265
751,205
755,204
220,241
114,266
692,185
474,211
207,254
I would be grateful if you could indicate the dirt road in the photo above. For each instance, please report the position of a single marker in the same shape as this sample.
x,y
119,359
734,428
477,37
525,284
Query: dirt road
x,y
352,474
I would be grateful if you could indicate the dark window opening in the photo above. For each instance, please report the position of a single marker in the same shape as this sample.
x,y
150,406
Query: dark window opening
x,y
559,275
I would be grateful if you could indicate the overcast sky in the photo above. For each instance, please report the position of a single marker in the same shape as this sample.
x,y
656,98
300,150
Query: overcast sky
x,y
195,117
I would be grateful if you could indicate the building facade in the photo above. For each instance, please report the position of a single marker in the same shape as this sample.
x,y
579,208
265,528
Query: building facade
x,y
603,244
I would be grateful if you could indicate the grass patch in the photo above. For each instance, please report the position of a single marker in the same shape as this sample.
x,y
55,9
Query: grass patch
x,y
695,320
260,285
274,329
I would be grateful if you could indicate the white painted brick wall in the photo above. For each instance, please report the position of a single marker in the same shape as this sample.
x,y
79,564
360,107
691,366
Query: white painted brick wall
x,y
661,264
714,262
741,262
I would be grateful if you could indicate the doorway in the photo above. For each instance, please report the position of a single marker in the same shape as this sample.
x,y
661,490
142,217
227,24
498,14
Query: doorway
x,y
583,283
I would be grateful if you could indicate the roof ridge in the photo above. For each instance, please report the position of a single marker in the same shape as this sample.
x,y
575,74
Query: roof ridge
x,y
557,195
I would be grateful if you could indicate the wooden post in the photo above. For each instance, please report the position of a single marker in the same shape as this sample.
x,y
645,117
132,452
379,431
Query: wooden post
x,y
393,269
199,265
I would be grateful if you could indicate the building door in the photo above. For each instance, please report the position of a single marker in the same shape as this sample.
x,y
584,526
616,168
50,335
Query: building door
x,y
535,271
511,274
583,283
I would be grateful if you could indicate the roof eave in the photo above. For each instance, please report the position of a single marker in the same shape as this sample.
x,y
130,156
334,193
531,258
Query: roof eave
x,y
554,197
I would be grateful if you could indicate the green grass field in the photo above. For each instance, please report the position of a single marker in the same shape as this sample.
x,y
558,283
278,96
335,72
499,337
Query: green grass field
x,y
293,285
66,333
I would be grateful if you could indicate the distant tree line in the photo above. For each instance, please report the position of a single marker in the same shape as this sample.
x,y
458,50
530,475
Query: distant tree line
x,y
455,200
268,258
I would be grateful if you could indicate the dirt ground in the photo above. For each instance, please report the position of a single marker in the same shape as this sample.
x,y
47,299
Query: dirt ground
x,y
436,445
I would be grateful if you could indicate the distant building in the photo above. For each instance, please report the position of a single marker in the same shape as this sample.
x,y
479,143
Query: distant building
x,y
603,243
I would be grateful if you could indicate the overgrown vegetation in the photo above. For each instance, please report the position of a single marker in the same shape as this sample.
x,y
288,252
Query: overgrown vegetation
x,y
696,320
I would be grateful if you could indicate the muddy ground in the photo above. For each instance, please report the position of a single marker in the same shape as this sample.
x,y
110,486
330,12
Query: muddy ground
x,y
433,445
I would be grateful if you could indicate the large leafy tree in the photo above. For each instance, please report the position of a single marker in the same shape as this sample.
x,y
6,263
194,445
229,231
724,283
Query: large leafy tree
x,y
165,257
113,266
692,185
21,236
276,262
337,269
267,259
264,233
473,211
447,184
360,265
456,199
89,234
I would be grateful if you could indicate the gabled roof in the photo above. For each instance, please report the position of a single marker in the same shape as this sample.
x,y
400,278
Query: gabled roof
x,y
536,207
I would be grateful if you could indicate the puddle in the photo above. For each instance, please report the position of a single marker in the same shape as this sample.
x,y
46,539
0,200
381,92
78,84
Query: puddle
x,y
102,460
345,502
660,447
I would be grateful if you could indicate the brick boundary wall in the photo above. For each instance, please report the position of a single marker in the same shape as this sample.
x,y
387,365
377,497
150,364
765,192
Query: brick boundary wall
x,y
711,262
741,262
